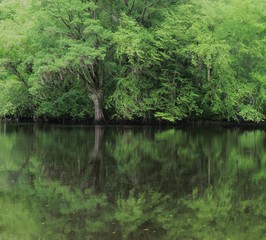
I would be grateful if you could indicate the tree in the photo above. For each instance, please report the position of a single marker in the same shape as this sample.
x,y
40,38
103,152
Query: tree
x,y
73,45
15,69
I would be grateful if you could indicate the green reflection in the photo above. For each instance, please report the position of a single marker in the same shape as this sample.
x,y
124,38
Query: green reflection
x,y
97,183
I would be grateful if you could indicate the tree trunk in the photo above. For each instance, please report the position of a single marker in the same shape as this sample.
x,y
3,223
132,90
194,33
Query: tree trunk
x,y
98,112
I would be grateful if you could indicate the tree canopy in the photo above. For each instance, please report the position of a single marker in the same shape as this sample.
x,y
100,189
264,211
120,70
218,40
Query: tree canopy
x,y
133,60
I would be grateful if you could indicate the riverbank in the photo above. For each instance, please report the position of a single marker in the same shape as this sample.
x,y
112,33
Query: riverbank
x,y
183,123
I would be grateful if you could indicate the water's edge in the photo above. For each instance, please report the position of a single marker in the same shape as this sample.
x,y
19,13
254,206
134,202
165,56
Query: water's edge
x,y
181,123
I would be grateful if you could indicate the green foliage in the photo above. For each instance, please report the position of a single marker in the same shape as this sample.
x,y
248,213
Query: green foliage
x,y
129,100
14,98
73,103
176,104
136,43
144,60
248,113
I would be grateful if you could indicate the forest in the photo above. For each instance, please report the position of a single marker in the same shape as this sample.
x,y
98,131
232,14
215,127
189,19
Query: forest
x,y
133,60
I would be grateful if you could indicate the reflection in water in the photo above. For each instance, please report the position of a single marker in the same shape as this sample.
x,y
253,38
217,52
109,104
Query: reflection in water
x,y
95,161
106,183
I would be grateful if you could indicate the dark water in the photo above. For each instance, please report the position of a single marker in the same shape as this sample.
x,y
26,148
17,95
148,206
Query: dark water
x,y
111,183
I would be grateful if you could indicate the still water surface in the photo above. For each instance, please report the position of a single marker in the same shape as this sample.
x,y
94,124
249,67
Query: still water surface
x,y
111,183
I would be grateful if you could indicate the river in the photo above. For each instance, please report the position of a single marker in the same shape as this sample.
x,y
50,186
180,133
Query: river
x,y
125,182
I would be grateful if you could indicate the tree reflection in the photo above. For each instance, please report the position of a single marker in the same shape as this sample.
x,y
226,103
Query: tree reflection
x,y
92,181
132,183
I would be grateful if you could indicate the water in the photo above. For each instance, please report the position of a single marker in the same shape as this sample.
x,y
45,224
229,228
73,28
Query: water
x,y
112,183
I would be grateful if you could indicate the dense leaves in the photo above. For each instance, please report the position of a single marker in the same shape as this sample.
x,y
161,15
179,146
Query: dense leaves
x,y
145,60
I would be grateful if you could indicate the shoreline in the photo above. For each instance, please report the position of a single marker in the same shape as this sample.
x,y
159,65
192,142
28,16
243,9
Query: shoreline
x,y
140,123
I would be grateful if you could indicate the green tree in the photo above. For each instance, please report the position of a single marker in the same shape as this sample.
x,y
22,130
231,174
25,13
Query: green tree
x,y
15,69
72,46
